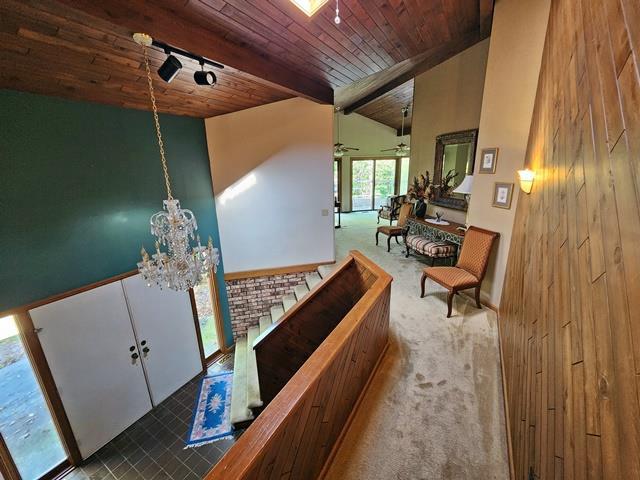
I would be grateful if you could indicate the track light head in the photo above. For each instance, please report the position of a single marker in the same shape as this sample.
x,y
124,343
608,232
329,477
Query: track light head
x,y
169,69
204,77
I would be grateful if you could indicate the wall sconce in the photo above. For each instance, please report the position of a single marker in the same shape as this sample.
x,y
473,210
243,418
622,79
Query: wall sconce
x,y
526,180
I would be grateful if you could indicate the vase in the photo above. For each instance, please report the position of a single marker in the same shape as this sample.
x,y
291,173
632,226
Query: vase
x,y
420,208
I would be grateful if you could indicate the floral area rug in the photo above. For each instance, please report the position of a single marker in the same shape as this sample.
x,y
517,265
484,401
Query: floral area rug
x,y
212,416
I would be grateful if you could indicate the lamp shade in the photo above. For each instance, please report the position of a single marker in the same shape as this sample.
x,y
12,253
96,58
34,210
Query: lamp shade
x,y
465,186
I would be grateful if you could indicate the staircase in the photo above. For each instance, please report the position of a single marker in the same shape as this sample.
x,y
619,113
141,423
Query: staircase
x,y
245,393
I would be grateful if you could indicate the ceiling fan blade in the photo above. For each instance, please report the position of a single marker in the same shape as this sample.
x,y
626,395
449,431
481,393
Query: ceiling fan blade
x,y
389,149
351,148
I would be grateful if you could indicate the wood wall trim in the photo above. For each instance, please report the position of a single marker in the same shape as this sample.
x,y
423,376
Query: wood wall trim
x,y
266,272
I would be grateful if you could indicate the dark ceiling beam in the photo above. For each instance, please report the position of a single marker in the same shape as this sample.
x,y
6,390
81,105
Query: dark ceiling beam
x,y
486,16
167,26
433,57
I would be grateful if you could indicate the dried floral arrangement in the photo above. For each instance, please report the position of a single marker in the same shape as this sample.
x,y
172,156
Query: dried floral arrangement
x,y
446,185
421,188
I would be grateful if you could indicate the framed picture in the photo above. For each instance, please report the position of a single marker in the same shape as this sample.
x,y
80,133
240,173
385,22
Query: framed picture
x,y
502,193
488,159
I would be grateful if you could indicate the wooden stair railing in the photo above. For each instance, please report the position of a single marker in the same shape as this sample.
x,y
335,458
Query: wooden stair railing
x,y
318,359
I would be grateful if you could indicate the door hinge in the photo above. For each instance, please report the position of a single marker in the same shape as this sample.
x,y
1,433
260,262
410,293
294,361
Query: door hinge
x,y
37,330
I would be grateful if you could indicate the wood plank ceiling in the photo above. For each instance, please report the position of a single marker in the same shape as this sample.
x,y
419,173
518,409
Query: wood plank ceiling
x,y
81,49
387,107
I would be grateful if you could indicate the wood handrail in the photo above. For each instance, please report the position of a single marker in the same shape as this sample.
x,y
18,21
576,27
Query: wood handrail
x,y
279,421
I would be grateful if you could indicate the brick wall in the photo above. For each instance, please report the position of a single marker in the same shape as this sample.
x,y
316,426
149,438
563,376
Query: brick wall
x,y
252,298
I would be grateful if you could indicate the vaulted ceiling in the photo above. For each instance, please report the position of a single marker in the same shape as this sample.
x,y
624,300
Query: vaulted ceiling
x,y
82,49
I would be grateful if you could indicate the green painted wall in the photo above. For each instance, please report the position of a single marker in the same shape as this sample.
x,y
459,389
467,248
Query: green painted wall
x,y
78,183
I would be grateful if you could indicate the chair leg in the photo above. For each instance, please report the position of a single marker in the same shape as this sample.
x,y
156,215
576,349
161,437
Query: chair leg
x,y
422,280
397,241
377,233
388,244
478,296
407,255
449,303
378,219
433,260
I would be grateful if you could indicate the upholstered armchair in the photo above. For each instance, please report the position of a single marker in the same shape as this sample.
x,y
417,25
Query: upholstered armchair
x,y
392,209
470,269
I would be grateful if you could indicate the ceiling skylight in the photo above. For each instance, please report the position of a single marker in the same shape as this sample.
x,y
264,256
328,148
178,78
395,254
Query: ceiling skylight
x,y
309,6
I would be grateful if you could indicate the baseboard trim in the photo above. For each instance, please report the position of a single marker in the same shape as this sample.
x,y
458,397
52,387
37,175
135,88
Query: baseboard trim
x,y
350,418
507,422
266,272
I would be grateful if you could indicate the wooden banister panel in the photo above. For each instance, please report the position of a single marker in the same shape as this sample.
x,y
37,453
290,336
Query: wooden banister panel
x,y
295,435
298,334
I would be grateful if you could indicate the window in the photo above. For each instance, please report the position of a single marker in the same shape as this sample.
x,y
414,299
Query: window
x,y
26,424
206,308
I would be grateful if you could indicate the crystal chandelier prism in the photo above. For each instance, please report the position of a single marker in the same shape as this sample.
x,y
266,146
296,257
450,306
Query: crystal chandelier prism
x,y
183,265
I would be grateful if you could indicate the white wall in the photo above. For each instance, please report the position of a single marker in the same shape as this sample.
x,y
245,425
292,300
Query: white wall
x,y
370,137
277,160
513,67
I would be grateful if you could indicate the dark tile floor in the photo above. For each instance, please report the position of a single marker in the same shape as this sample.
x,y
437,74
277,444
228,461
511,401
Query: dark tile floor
x,y
153,447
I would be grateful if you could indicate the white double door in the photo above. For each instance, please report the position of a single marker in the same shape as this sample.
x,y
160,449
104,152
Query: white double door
x,y
114,352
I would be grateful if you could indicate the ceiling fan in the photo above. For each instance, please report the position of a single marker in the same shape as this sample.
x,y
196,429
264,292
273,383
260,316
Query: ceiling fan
x,y
339,149
402,149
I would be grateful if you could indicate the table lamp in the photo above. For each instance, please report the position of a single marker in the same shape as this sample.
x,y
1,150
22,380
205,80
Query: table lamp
x,y
465,189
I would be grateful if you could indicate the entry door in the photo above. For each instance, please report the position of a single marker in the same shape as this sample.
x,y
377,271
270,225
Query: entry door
x,y
89,343
166,333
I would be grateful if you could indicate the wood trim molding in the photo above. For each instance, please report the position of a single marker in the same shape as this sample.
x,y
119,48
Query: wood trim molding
x,y
196,319
217,314
507,423
265,272
8,468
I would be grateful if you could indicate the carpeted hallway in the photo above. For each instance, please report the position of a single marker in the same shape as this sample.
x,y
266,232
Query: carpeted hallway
x,y
435,408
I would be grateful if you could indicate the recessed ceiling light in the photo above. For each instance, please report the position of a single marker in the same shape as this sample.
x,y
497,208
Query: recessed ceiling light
x,y
309,6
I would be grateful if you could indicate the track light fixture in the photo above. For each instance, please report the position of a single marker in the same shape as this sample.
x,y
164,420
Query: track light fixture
x,y
204,77
172,66
169,69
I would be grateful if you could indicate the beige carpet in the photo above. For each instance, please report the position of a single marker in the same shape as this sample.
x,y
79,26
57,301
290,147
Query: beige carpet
x,y
434,410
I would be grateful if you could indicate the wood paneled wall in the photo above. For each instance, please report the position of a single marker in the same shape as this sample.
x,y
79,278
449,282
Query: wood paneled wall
x,y
570,313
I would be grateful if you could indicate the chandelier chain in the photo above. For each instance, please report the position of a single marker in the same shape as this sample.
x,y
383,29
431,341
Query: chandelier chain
x,y
165,171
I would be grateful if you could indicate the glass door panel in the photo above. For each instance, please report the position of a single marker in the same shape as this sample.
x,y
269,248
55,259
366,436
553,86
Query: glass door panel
x,y
26,424
404,175
385,181
206,317
362,185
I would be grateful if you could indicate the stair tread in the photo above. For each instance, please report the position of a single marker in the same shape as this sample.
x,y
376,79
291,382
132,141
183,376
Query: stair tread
x,y
253,384
276,312
265,322
313,279
288,301
300,291
324,270
239,411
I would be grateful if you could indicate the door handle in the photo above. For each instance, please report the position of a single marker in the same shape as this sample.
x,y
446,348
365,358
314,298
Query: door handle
x,y
134,357
145,351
